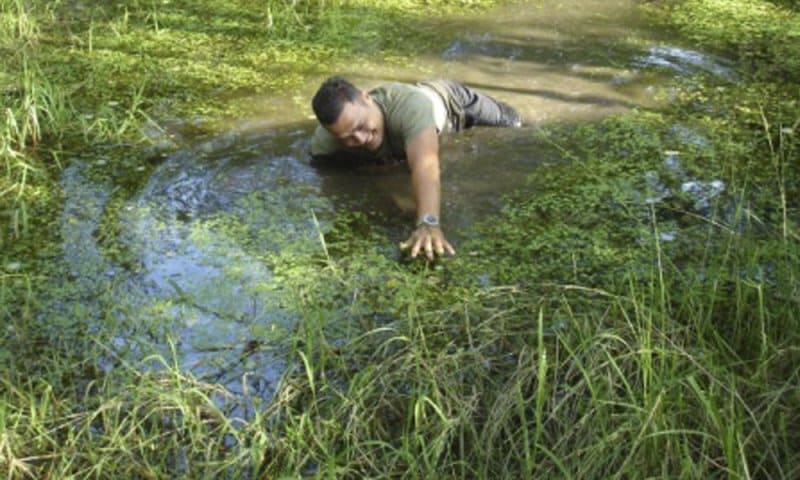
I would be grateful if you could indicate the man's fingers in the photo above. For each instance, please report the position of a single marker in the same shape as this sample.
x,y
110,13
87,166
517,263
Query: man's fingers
x,y
449,248
428,242
415,249
429,248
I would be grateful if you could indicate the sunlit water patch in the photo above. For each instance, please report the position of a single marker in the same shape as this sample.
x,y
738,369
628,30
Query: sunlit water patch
x,y
685,62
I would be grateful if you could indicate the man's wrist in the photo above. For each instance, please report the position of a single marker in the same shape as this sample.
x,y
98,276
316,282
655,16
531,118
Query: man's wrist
x,y
428,220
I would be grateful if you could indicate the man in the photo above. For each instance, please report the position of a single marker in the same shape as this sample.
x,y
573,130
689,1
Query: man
x,y
399,121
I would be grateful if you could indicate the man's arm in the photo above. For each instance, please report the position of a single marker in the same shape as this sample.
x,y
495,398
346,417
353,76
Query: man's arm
x,y
423,159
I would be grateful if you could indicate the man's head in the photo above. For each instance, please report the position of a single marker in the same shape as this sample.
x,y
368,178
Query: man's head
x,y
349,114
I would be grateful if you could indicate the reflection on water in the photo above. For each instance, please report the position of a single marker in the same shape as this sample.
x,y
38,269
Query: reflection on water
x,y
198,229
686,62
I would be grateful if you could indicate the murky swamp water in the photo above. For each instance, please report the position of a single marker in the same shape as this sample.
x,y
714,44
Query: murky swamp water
x,y
570,62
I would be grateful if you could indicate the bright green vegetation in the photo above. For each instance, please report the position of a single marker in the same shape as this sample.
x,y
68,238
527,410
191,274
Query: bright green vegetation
x,y
575,339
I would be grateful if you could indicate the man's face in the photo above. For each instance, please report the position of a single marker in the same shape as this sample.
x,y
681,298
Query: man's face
x,y
360,124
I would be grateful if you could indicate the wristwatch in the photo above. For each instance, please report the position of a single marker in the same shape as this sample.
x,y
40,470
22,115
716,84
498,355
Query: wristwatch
x,y
429,220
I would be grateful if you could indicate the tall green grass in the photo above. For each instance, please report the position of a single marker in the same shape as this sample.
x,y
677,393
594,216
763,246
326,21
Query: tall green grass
x,y
654,376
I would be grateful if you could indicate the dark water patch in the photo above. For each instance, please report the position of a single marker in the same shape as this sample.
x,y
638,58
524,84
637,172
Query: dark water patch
x,y
85,201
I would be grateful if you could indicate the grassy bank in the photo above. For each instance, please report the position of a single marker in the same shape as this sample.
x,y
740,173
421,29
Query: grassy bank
x,y
591,333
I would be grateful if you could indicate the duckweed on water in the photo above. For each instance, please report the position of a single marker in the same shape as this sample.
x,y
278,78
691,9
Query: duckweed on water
x,y
614,323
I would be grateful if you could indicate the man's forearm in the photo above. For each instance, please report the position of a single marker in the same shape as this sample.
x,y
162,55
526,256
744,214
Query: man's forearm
x,y
427,188
423,158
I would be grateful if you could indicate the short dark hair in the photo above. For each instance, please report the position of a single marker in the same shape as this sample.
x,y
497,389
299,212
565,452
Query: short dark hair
x,y
331,97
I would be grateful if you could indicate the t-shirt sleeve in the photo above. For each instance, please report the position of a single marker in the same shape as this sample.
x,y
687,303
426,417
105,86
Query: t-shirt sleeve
x,y
415,116
323,143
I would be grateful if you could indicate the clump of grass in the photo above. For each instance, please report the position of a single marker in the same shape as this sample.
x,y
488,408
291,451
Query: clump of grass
x,y
121,431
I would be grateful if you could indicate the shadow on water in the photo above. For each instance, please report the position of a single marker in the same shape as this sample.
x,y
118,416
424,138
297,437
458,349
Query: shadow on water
x,y
199,234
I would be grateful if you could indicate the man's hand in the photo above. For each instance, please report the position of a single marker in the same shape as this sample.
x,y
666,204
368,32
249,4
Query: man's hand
x,y
429,238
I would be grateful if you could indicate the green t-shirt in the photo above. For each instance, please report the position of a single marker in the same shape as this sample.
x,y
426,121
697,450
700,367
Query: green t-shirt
x,y
407,111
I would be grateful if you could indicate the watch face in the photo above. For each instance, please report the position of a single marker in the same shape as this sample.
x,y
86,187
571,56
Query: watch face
x,y
430,219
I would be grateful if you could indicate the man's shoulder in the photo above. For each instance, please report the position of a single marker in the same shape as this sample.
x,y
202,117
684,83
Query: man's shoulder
x,y
403,104
407,111
396,92
394,87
